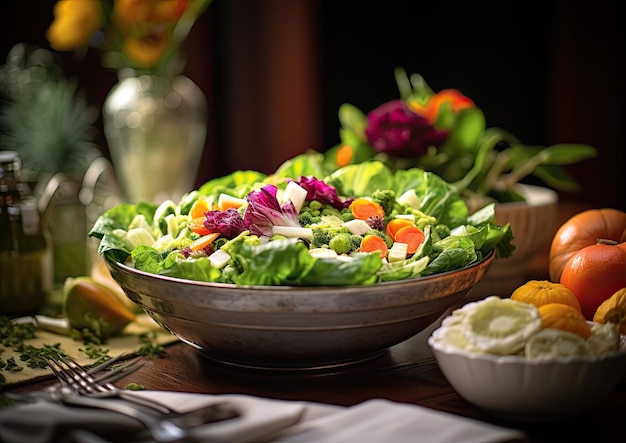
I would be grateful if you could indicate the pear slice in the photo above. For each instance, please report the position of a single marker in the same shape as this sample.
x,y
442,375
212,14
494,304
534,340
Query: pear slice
x,y
86,300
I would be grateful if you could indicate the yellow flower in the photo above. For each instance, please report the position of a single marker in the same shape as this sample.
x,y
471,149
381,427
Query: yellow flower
x,y
148,24
145,50
144,35
131,13
74,23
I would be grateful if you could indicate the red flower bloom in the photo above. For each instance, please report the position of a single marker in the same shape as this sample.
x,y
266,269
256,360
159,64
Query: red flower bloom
x,y
396,130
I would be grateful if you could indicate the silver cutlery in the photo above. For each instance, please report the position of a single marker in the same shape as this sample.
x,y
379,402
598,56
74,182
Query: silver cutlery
x,y
80,387
162,427
71,374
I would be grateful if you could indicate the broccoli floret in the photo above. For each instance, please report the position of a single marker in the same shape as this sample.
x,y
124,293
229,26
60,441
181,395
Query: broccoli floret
x,y
341,244
356,240
385,198
308,217
321,235
347,215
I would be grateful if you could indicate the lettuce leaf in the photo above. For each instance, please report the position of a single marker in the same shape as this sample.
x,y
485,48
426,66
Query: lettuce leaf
x,y
237,183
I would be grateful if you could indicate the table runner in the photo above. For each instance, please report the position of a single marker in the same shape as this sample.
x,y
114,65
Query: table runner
x,y
128,342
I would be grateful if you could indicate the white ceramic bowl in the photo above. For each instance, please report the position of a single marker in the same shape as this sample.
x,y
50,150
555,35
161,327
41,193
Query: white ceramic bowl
x,y
515,388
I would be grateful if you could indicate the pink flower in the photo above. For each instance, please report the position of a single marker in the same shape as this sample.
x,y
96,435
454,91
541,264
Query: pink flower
x,y
396,130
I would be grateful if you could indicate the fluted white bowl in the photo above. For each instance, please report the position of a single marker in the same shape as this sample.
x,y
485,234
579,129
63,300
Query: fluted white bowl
x,y
514,387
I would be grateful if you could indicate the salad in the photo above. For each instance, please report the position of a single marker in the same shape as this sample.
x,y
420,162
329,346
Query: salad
x,y
305,226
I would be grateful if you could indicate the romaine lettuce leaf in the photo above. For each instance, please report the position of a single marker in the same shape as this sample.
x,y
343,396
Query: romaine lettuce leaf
x,y
237,184
362,179
308,164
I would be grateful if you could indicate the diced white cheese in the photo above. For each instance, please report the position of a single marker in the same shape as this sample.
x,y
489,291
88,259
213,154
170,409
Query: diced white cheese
x,y
323,253
397,252
225,201
459,231
296,193
357,227
406,217
219,258
411,199
292,231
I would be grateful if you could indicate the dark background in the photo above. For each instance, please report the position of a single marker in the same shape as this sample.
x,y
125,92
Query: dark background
x,y
276,71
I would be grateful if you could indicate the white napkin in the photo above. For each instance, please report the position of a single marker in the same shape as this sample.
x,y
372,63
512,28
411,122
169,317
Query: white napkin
x,y
383,421
261,420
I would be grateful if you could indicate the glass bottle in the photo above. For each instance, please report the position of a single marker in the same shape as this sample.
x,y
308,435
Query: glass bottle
x,y
25,257
156,130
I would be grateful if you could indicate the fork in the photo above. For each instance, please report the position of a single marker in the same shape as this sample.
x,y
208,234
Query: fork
x,y
175,427
75,389
73,375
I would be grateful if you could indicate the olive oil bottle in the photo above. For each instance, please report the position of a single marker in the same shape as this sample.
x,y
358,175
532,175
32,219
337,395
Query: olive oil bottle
x,y
25,255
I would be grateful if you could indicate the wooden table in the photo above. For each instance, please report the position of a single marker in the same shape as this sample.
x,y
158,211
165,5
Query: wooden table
x,y
406,373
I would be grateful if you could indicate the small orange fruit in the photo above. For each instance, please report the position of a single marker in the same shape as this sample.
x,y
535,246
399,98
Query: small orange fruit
x,y
565,318
542,292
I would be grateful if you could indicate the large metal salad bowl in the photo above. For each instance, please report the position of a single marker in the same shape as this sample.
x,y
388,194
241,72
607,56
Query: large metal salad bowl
x,y
295,327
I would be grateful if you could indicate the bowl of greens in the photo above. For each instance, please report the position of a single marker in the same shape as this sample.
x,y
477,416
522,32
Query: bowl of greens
x,y
300,268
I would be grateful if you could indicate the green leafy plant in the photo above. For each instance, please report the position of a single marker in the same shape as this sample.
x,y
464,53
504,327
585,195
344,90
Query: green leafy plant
x,y
445,132
42,116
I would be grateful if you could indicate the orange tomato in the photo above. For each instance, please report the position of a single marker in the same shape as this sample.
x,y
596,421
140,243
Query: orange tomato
x,y
582,230
594,274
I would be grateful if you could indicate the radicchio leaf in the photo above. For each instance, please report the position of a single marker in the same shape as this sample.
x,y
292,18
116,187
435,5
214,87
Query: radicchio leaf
x,y
264,211
320,191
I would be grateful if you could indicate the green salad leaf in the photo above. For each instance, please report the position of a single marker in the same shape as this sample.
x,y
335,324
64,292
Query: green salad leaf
x,y
161,239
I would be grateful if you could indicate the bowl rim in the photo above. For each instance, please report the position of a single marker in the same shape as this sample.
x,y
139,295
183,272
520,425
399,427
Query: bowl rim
x,y
448,349
112,262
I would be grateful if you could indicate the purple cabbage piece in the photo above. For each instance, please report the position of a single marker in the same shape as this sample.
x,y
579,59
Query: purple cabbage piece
x,y
394,129
264,211
320,191
228,223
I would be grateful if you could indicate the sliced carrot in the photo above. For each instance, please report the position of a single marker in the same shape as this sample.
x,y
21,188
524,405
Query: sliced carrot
x,y
344,155
412,236
373,243
397,223
198,208
204,241
197,225
363,209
